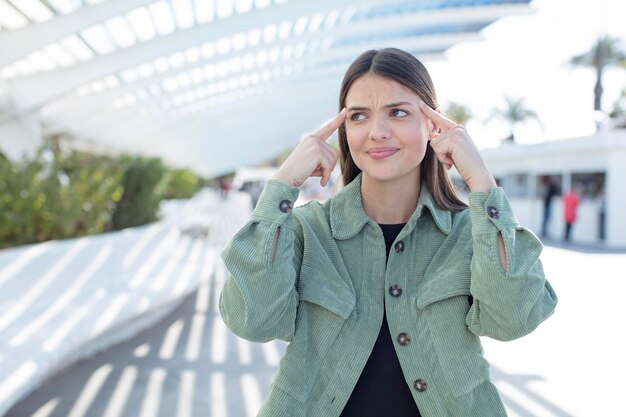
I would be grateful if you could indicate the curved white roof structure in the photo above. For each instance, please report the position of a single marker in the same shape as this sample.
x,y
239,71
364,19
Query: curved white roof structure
x,y
208,84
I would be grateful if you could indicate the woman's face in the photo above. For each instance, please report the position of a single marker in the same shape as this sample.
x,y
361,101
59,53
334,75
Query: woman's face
x,y
386,130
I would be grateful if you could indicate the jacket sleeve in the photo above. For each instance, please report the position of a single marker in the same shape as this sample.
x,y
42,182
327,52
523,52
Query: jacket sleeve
x,y
259,299
508,303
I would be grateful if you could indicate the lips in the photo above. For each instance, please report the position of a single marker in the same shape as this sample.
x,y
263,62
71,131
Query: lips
x,y
381,153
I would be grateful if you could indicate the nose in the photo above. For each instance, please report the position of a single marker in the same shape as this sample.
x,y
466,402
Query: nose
x,y
379,130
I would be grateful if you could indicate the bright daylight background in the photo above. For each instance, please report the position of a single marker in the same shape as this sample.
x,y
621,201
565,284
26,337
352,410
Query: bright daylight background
x,y
528,57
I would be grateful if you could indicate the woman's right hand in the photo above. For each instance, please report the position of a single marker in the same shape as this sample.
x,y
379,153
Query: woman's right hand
x,y
313,157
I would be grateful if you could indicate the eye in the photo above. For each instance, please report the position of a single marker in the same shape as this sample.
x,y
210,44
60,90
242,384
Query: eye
x,y
399,113
357,117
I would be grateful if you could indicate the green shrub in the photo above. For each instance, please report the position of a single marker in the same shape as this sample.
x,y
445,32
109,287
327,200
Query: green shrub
x,y
57,197
183,183
144,182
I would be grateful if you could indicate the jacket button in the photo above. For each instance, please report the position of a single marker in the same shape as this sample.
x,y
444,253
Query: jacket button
x,y
399,246
404,339
420,385
395,291
285,206
493,212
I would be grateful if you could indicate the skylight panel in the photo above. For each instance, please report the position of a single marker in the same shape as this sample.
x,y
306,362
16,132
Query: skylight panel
x,y
162,17
59,55
327,43
96,36
129,75
208,50
34,10
209,71
65,6
235,65
243,6
261,58
23,67
161,64
146,69
316,22
40,61
348,14
262,4
197,76
223,45
192,54
97,86
223,69
183,13
120,32
205,12
254,37
75,46
300,26
111,81
8,72
287,51
287,70
82,91
155,90
238,41
284,29
142,94
269,33
331,18
248,62
299,49
11,18
183,80
313,45
224,8
177,59
170,84
141,23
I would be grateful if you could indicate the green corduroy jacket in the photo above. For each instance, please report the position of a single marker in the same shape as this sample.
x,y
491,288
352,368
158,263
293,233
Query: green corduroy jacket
x,y
316,276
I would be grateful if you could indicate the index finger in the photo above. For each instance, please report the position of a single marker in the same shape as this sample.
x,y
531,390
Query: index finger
x,y
329,127
439,119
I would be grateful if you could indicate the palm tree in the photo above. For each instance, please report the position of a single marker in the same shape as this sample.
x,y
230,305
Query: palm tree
x,y
605,52
458,112
514,112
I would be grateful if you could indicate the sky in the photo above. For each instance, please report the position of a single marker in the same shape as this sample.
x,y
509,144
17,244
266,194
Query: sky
x,y
527,57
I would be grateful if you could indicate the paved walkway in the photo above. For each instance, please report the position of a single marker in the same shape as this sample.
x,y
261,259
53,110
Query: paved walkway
x,y
191,365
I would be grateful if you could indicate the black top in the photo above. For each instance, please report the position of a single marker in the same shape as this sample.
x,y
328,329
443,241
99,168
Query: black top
x,y
381,389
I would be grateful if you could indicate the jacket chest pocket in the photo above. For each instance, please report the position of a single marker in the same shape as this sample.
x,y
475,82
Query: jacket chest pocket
x,y
325,303
444,301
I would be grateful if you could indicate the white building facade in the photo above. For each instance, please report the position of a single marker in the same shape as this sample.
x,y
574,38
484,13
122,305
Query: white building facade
x,y
593,166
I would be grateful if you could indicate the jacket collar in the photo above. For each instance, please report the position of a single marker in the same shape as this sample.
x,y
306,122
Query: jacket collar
x,y
347,216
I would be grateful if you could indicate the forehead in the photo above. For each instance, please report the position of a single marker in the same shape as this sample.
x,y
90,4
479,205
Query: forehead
x,y
373,87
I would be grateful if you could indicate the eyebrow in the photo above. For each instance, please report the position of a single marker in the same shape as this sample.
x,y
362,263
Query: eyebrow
x,y
386,106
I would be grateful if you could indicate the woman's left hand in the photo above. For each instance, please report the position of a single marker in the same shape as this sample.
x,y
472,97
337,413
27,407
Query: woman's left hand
x,y
454,146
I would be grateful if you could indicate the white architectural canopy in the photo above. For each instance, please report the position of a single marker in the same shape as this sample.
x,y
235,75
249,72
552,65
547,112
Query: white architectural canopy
x,y
207,84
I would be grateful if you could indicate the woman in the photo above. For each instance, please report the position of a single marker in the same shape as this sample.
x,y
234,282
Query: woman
x,y
383,290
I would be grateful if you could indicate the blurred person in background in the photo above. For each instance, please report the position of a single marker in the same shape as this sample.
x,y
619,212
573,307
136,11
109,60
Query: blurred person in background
x,y
550,192
571,199
384,289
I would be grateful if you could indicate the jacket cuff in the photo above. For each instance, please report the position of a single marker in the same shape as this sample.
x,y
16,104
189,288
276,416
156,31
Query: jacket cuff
x,y
491,211
275,202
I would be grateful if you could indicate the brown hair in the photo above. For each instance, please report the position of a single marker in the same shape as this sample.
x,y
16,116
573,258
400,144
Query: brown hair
x,y
408,71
